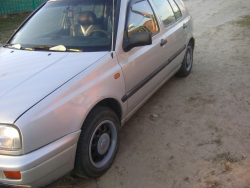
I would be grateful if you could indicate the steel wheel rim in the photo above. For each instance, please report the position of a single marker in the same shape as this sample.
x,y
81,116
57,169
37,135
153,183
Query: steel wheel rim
x,y
189,58
102,144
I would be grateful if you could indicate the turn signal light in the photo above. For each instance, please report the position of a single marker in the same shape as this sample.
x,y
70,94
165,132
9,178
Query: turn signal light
x,y
117,75
12,175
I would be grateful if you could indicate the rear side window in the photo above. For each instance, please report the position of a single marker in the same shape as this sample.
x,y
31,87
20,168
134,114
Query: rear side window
x,y
177,11
165,11
141,18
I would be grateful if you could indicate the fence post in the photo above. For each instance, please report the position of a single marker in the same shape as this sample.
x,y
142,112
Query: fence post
x,y
34,4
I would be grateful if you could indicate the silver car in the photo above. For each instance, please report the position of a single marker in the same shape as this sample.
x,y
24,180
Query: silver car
x,y
74,73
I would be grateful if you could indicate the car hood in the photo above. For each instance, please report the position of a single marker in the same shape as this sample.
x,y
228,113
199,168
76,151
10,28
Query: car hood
x,y
26,77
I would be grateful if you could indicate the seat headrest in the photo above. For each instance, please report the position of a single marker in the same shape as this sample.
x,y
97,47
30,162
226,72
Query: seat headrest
x,y
87,18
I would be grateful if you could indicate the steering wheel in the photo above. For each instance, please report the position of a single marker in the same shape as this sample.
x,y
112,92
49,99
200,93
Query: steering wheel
x,y
101,31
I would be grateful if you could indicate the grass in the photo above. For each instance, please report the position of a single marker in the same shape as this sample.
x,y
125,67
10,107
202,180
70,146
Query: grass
x,y
245,21
9,25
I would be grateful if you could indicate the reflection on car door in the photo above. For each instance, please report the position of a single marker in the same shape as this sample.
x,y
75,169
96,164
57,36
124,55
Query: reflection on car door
x,y
140,64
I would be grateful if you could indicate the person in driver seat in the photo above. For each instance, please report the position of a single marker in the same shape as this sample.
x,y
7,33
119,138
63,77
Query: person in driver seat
x,y
87,23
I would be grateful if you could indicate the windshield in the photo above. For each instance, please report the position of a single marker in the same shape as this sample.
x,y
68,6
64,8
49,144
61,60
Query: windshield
x,y
68,25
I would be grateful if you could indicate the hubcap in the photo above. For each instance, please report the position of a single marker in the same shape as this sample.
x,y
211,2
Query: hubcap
x,y
189,58
102,144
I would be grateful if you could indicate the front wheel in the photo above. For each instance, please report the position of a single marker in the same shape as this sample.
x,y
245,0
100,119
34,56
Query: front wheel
x,y
98,143
187,62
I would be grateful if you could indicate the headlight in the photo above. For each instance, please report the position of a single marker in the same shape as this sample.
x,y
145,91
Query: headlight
x,y
9,138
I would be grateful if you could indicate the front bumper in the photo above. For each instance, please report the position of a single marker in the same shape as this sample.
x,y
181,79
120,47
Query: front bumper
x,y
43,166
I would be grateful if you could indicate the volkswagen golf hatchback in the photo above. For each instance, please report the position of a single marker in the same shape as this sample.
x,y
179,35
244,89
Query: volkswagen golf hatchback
x,y
74,73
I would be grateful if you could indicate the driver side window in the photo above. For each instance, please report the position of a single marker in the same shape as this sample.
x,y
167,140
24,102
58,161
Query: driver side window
x,y
141,18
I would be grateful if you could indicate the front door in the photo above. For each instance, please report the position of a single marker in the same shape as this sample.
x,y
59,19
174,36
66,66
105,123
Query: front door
x,y
141,65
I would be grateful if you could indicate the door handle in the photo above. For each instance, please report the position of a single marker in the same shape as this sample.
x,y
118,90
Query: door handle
x,y
184,26
163,42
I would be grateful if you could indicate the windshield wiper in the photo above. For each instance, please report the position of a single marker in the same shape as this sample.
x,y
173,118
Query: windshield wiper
x,y
38,48
14,46
18,46
59,48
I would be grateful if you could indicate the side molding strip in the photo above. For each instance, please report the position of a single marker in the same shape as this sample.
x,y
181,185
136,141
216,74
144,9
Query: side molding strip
x,y
152,75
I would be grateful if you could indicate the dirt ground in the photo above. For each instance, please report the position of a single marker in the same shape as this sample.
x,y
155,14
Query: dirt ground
x,y
201,137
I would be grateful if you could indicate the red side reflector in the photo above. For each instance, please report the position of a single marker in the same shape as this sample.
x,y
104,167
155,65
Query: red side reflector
x,y
12,175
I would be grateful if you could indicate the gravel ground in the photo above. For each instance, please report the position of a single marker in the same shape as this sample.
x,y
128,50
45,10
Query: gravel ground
x,y
201,136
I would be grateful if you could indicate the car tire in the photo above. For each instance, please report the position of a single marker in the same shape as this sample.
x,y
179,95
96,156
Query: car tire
x,y
98,143
187,62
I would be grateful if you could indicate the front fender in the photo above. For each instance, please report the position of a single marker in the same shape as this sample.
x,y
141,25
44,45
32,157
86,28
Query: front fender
x,y
64,111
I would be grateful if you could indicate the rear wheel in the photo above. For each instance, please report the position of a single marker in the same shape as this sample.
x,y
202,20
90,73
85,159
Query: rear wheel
x,y
187,62
98,143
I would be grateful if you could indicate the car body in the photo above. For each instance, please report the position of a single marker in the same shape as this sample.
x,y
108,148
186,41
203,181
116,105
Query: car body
x,y
58,88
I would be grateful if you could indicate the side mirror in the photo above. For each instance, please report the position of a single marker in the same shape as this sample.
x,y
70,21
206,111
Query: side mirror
x,y
137,39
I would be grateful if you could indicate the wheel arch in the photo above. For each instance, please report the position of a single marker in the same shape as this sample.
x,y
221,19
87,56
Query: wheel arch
x,y
111,103
192,41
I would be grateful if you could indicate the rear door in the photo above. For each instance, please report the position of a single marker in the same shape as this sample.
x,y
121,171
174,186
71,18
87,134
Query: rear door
x,y
175,29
